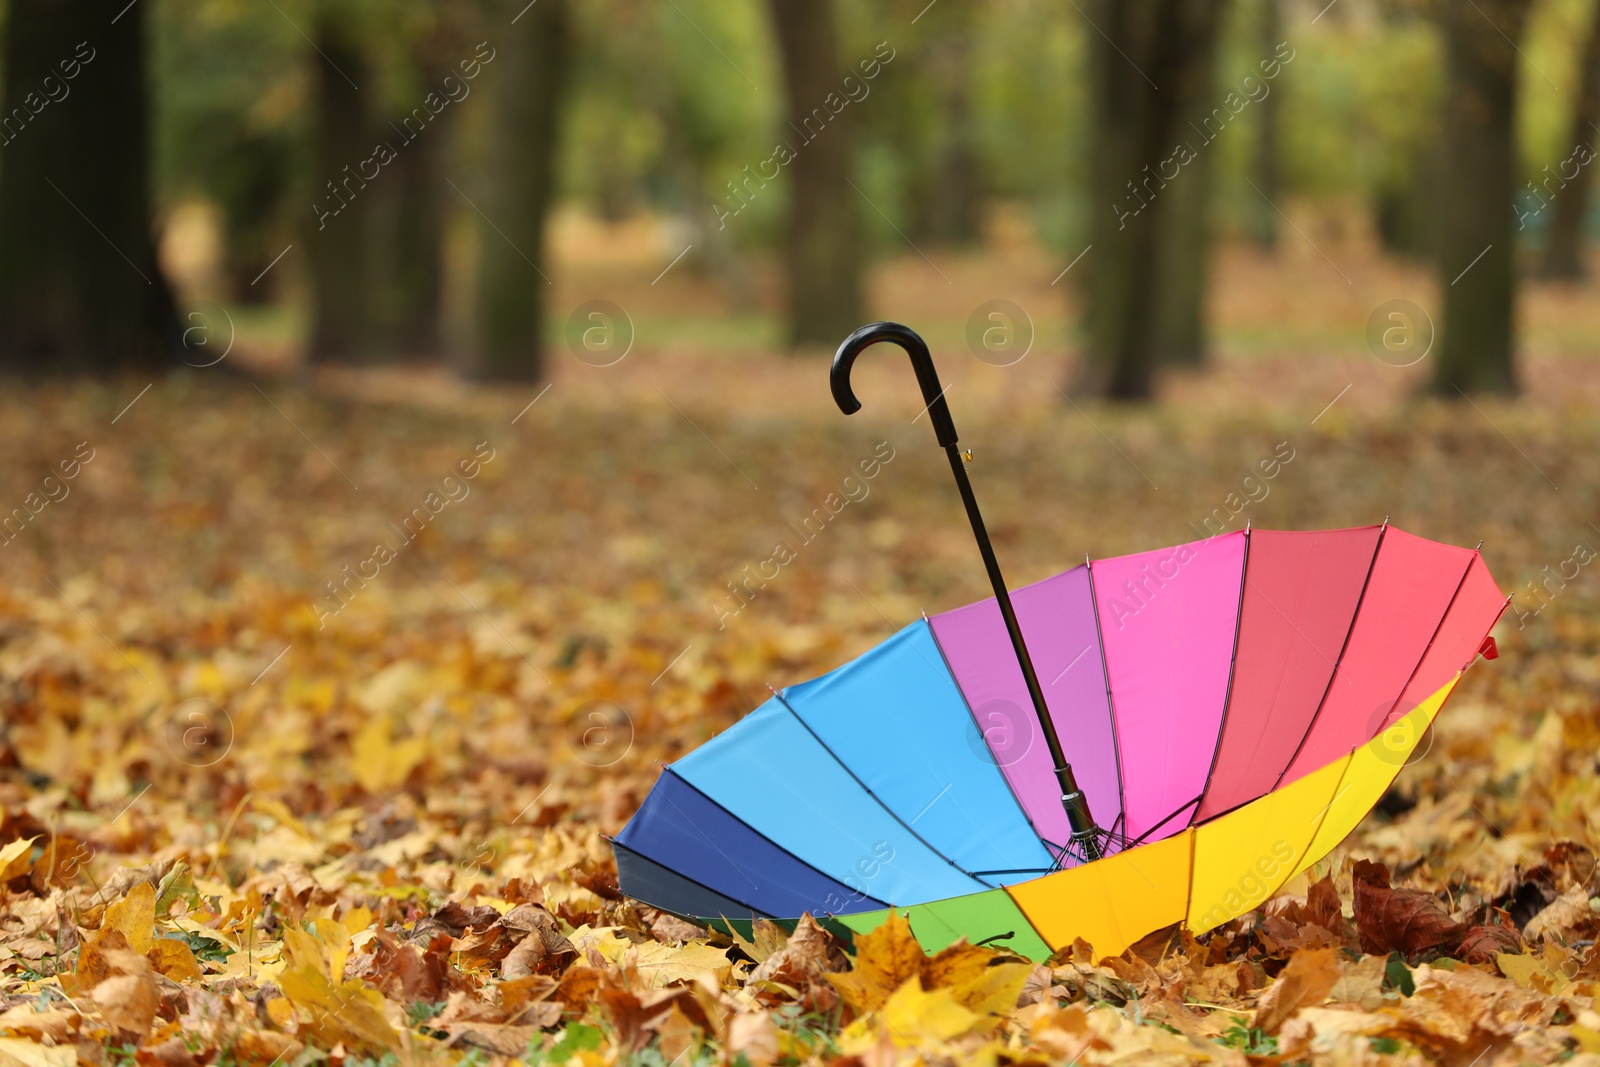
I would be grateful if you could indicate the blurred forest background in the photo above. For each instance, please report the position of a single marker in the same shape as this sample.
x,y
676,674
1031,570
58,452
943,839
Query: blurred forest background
x,y
370,181
402,406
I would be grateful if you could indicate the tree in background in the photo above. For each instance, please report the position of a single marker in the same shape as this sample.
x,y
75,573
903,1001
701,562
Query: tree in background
x,y
433,53
1182,266
1265,161
525,104
80,287
822,252
928,120
1476,238
339,223
1150,70
1563,256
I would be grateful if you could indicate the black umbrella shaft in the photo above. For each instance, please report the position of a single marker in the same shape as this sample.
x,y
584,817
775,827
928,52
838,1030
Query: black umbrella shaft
x,y
1072,798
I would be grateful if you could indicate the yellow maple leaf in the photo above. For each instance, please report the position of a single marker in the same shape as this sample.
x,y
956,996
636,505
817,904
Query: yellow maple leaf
x,y
20,1052
351,1012
663,964
912,1017
885,959
135,916
381,763
992,993
175,960
15,858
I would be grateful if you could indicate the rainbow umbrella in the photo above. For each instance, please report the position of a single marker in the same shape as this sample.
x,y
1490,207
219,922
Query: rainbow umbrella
x,y
1160,738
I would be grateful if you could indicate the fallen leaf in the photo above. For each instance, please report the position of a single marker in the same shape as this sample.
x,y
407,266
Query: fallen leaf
x,y
58,1025
1306,982
18,1052
1481,944
885,959
134,916
753,1036
662,965
1408,921
14,858
173,959
1561,916
128,1001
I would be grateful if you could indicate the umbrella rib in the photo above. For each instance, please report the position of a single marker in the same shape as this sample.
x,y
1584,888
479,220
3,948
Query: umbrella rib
x,y
1355,620
1050,847
1136,842
1111,700
868,789
710,840
1429,646
804,863
1233,663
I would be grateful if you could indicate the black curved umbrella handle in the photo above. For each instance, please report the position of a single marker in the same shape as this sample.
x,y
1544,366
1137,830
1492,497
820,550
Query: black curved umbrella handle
x,y
921,362
1087,837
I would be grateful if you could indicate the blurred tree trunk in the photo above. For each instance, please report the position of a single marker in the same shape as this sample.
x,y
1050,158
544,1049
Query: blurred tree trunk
x,y
80,288
1563,256
341,225
416,282
1477,241
1150,67
1181,257
823,249
408,257
524,112
1264,222
957,216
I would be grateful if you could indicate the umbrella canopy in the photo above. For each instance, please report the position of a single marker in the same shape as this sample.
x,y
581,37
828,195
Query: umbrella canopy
x,y
1233,706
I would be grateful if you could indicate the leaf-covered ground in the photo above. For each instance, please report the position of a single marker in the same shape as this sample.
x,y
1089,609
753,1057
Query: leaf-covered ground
x,y
317,696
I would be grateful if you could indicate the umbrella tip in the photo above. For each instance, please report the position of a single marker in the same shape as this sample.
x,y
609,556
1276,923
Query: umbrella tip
x,y
1386,520
1480,545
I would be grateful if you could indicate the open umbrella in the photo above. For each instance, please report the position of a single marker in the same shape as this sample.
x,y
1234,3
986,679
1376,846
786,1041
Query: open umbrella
x,y
1166,737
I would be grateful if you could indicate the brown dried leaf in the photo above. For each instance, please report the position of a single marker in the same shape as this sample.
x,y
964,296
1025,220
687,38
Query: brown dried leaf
x,y
1306,982
1482,944
1561,916
1408,921
128,1000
